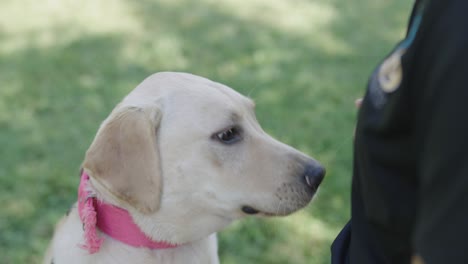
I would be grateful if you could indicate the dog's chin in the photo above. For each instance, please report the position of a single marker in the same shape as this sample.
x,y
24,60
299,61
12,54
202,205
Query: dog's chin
x,y
280,211
267,214
274,214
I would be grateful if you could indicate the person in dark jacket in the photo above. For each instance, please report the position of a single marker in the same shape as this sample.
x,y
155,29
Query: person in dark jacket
x,y
410,178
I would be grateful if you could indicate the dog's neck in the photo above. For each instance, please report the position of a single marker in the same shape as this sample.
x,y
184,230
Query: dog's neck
x,y
111,220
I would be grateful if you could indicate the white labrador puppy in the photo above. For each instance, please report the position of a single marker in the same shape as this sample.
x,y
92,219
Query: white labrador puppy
x,y
182,157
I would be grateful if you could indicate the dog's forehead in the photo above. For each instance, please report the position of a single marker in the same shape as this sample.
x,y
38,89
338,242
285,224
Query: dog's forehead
x,y
188,90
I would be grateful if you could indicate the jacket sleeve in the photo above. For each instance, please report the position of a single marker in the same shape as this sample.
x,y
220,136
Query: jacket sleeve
x,y
441,227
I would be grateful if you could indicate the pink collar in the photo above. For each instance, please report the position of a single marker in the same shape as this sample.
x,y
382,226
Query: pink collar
x,y
111,220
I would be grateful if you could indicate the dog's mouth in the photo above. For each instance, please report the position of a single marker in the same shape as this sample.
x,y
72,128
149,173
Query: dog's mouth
x,y
286,205
252,211
249,210
289,198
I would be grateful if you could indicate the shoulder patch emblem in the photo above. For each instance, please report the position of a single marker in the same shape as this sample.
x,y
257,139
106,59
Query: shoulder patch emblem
x,y
390,73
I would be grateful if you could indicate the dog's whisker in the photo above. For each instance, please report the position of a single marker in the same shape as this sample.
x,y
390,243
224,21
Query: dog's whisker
x,y
251,91
278,207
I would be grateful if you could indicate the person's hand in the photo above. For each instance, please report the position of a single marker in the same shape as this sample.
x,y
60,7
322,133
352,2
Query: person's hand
x,y
357,103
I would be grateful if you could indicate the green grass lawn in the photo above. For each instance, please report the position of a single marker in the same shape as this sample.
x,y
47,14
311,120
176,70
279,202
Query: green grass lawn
x,y
65,64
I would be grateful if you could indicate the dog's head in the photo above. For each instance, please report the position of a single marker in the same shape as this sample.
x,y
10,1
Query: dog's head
x,y
186,156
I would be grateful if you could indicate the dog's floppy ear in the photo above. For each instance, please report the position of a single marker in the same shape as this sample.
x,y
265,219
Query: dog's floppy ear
x,y
124,157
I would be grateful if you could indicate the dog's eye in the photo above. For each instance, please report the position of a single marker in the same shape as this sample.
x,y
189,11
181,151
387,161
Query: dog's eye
x,y
229,136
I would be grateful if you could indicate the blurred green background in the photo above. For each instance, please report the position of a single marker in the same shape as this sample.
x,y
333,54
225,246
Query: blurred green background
x,y
65,64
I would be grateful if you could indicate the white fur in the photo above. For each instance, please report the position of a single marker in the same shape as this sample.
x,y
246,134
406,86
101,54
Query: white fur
x,y
205,183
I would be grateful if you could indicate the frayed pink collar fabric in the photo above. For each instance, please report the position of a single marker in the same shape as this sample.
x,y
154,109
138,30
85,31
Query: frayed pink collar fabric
x,y
111,220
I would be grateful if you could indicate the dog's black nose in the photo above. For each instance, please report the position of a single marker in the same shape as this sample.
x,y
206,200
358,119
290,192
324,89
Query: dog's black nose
x,y
313,176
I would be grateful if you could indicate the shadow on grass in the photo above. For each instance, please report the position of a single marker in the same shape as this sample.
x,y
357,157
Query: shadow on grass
x,y
53,103
54,98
